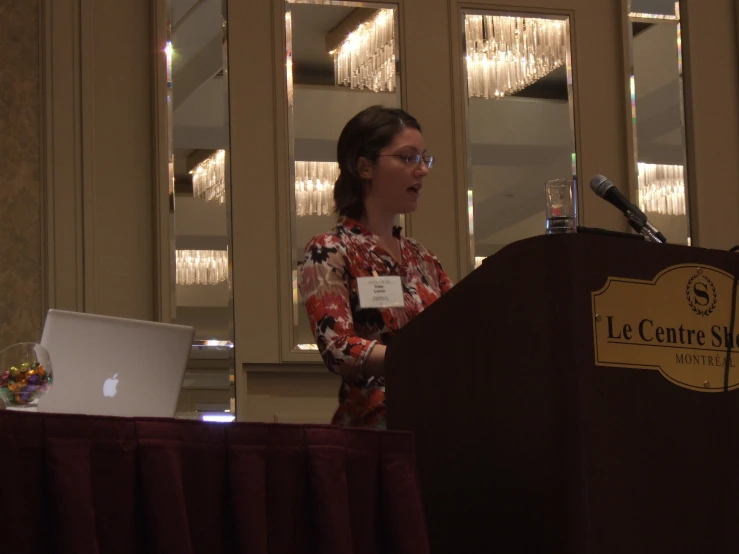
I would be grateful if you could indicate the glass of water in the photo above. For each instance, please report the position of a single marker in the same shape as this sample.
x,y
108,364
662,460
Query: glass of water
x,y
560,206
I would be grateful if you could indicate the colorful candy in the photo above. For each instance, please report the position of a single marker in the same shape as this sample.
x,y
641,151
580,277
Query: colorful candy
x,y
25,384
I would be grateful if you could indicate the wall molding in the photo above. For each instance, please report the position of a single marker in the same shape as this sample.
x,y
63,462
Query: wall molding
x,y
162,190
61,172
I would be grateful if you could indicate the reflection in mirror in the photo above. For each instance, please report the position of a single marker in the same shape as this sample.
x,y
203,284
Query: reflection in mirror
x,y
518,120
199,106
657,116
654,8
341,57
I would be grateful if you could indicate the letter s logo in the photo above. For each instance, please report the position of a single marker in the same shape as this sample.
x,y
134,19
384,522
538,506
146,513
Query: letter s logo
x,y
701,294
700,290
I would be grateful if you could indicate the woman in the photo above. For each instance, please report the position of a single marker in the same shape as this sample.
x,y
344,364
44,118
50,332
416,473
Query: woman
x,y
363,281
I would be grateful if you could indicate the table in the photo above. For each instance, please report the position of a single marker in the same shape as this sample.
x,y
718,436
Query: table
x,y
83,484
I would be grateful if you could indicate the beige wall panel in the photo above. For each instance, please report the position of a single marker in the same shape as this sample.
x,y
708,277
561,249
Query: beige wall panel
x,y
118,149
291,397
426,66
99,173
63,169
600,104
20,191
253,180
193,400
712,88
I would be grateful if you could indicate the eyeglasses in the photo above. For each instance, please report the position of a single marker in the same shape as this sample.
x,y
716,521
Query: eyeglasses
x,y
413,159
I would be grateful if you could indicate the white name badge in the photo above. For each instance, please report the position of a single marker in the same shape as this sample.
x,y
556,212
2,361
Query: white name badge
x,y
380,292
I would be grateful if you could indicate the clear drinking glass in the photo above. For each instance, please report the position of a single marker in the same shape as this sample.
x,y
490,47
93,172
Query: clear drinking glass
x,y
560,206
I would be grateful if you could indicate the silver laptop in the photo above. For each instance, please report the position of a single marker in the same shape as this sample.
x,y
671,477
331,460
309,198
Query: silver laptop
x,y
112,366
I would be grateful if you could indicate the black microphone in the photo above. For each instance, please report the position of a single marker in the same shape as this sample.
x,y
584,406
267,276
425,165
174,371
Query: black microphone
x,y
637,218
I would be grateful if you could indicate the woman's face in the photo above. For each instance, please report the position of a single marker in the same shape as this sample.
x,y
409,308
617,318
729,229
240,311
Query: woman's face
x,y
394,184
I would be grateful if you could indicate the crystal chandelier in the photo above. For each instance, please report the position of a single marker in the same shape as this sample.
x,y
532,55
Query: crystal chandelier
x,y
366,59
505,54
202,267
209,178
314,187
662,189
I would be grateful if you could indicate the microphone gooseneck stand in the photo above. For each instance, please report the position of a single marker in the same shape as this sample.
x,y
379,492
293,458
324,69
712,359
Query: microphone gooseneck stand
x,y
640,226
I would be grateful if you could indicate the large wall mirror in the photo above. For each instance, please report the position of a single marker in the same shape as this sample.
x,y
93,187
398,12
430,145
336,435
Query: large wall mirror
x,y
199,154
341,57
519,122
658,116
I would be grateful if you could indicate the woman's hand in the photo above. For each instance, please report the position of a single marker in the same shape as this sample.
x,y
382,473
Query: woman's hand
x,y
374,365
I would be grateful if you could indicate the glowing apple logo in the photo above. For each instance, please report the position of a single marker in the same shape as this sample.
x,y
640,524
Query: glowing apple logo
x,y
110,386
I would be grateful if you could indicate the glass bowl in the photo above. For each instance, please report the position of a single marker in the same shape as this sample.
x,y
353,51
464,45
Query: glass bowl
x,y
25,374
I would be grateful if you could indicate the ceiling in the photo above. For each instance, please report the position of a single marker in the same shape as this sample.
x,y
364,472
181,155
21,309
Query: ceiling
x,y
312,64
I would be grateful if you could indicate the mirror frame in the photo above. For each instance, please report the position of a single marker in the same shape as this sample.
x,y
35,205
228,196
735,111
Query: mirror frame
x,y
286,168
632,109
460,88
165,247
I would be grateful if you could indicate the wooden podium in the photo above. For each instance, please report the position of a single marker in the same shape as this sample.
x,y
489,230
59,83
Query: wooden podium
x,y
524,444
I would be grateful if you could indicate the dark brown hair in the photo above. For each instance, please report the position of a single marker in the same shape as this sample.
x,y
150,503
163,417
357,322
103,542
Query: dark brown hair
x,y
364,136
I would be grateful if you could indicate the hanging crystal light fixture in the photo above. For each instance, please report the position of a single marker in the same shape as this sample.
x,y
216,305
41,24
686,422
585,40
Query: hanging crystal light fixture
x,y
366,59
505,54
202,267
314,187
661,189
209,178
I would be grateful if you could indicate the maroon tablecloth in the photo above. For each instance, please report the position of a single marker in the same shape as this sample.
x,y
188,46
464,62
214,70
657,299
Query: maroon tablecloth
x,y
79,484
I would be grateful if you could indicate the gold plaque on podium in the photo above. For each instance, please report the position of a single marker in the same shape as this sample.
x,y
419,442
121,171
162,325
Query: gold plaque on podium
x,y
678,324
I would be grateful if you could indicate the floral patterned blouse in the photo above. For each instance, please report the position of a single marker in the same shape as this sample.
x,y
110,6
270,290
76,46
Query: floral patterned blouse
x,y
346,333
